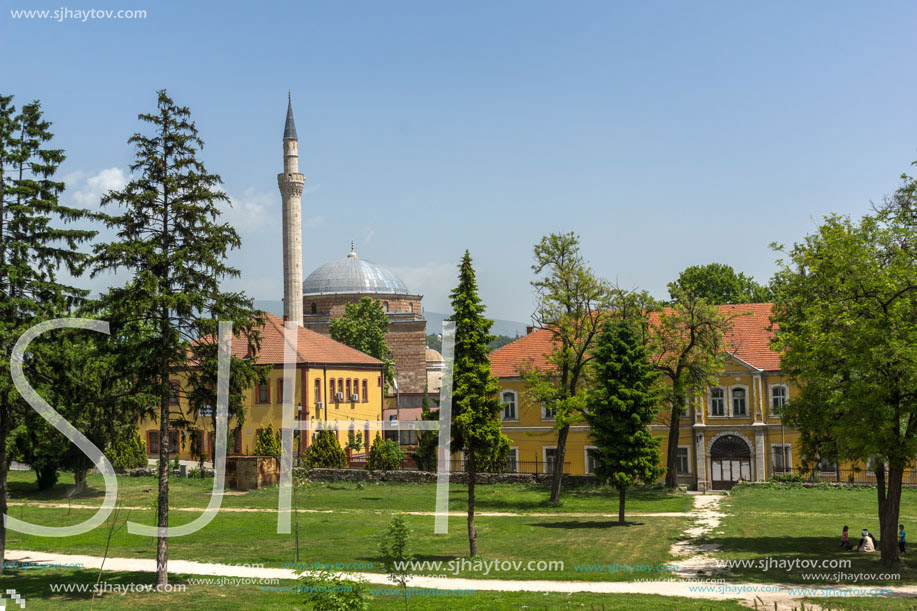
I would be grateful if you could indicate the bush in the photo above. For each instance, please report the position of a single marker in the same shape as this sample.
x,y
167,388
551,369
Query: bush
x,y
325,452
268,442
330,592
46,474
384,455
788,478
127,451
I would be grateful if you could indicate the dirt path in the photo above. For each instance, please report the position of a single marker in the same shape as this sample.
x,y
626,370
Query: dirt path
x,y
486,514
695,559
781,594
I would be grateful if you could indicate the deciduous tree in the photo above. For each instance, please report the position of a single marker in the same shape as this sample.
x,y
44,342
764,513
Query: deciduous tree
x,y
363,327
718,284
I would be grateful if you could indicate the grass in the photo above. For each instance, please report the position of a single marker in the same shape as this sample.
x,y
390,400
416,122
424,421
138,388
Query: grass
x,y
798,524
349,496
35,587
878,603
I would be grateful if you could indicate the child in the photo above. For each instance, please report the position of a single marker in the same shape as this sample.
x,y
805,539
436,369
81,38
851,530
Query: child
x,y
845,540
901,537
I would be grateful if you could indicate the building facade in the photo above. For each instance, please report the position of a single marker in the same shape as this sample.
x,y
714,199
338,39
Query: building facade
x,y
733,431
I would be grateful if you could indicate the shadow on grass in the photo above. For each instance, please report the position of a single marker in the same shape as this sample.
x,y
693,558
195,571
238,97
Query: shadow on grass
x,y
36,584
582,525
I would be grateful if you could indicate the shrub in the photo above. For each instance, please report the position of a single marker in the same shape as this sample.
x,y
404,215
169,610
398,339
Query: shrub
x,y
330,592
788,478
325,452
128,451
384,455
268,442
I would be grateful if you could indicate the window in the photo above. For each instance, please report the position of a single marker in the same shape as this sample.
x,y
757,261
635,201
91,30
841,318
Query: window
x,y
509,405
314,309
152,442
550,457
546,413
591,459
738,402
782,458
264,393
778,399
318,390
347,396
365,390
683,460
341,388
512,461
281,386
385,306
826,466
717,402
174,448
237,441
173,396
332,396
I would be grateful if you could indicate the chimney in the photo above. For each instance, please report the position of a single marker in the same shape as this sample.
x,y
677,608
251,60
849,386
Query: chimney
x,y
529,329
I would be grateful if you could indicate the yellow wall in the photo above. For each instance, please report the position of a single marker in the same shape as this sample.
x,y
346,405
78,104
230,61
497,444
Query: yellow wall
x,y
259,414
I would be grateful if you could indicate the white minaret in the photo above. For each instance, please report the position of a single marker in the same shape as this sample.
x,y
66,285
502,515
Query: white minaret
x,y
291,183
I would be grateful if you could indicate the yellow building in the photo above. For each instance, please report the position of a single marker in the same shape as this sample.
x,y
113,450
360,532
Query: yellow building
x,y
733,432
333,382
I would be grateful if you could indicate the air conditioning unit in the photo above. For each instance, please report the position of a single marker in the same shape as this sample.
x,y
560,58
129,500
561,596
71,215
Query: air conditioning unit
x,y
319,405
354,397
339,396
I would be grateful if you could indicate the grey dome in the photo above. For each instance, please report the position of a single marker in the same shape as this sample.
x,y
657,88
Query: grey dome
x,y
353,275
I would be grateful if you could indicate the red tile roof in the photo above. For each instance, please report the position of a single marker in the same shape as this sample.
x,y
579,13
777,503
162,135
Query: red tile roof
x,y
311,347
749,340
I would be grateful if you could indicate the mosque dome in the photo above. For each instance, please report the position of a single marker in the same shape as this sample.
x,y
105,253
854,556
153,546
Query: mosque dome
x,y
433,356
352,275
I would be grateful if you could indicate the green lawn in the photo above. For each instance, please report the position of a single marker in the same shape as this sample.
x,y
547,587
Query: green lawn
x,y
805,525
35,587
348,496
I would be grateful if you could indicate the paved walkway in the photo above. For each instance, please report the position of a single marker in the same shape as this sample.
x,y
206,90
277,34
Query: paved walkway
x,y
782,594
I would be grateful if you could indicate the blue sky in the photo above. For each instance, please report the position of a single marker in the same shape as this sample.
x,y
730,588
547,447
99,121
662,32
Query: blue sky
x,y
665,134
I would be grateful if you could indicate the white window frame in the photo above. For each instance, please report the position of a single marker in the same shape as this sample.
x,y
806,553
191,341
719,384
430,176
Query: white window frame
x,y
515,405
732,389
514,451
788,468
586,469
770,405
689,471
710,413
544,416
544,457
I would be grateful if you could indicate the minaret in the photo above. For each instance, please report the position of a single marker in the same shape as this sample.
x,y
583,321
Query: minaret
x,y
291,183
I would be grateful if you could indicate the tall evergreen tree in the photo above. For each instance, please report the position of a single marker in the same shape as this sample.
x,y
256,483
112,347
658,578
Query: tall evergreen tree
x,y
621,406
363,327
169,236
476,411
34,247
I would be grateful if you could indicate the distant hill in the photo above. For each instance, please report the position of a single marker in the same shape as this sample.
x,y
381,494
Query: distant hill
x,y
510,328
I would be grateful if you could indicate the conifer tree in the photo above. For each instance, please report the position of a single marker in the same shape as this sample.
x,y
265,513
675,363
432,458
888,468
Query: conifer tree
x,y
34,247
476,408
621,406
168,234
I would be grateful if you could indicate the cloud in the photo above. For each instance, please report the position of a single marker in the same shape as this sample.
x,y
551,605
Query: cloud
x,y
86,190
252,211
432,280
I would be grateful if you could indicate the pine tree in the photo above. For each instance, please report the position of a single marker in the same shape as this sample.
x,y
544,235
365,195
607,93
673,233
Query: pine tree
x,y
169,236
476,408
621,407
33,248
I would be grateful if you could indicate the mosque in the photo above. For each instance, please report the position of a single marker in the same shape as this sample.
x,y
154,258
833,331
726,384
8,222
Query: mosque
x,y
325,292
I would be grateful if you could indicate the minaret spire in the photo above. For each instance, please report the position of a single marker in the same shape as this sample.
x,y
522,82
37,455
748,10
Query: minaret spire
x,y
291,184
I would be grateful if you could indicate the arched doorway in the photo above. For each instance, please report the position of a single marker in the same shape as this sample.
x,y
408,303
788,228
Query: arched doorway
x,y
730,462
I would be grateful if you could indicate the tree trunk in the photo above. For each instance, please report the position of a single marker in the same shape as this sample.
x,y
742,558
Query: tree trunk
x,y
472,474
888,517
557,479
671,472
79,478
621,496
162,543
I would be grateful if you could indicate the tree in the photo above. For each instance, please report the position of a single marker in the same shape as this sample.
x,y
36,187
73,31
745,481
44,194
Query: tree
x,y
476,411
34,247
363,327
354,441
718,284
168,235
267,442
686,345
846,318
395,557
325,452
622,405
572,305
385,455
424,453
127,451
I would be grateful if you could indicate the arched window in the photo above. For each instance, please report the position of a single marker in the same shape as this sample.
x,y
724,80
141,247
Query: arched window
x,y
347,397
341,387
365,391
314,309
385,306
331,394
318,390
509,404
